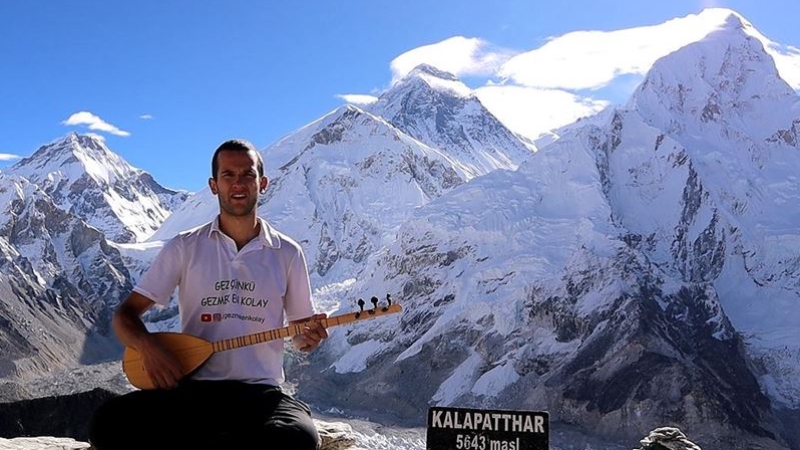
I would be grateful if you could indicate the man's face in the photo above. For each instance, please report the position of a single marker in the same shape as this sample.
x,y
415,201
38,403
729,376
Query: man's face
x,y
237,183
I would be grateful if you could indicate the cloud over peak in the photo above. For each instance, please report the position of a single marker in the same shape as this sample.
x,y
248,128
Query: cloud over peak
x,y
94,123
358,99
458,55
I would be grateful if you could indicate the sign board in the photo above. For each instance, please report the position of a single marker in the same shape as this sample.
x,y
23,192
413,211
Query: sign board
x,y
482,429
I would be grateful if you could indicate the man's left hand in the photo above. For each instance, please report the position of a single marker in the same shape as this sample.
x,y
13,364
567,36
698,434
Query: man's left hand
x,y
312,332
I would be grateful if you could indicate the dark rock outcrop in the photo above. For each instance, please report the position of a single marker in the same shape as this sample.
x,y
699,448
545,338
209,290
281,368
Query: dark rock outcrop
x,y
65,416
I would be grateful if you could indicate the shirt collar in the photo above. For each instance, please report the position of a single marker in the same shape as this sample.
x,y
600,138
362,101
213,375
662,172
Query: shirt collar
x,y
266,234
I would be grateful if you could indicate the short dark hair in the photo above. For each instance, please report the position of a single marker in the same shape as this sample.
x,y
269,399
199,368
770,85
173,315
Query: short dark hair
x,y
236,145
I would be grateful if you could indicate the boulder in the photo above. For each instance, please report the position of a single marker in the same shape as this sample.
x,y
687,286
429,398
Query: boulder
x,y
667,438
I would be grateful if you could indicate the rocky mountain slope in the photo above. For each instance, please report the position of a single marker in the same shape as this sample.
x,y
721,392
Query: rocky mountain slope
x,y
56,274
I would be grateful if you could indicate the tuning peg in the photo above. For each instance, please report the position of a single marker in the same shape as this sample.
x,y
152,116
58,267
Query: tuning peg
x,y
388,302
360,307
374,301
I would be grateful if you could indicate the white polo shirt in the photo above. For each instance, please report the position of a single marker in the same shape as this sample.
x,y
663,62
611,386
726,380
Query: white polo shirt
x,y
224,292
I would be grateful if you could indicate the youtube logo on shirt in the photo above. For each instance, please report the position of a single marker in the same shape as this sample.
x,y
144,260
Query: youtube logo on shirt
x,y
205,317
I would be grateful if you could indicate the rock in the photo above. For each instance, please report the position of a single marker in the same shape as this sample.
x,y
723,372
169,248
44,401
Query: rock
x,y
667,438
335,435
40,443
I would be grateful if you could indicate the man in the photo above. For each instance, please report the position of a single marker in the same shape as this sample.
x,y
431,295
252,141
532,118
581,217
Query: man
x,y
235,276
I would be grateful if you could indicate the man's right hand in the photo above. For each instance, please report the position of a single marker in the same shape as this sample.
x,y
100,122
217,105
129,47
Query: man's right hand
x,y
161,365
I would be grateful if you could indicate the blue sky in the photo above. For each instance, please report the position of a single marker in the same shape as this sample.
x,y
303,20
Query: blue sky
x,y
173,79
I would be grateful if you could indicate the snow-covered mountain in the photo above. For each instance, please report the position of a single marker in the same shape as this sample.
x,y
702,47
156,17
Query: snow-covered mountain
x,y
641,270
737,126
345,183
61,274
436,108
85,178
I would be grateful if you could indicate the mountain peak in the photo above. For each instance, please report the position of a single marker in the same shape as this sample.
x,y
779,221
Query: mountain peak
x,y
74,138
723,15
437,109
728,74
425,77
87,150
73,155
731,21
427,69
711,19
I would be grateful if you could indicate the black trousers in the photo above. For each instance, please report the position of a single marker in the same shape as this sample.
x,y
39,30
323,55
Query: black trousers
x,y
204,415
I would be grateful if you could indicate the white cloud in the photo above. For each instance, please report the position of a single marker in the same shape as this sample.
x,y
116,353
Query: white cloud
x,y
458,55
99,137
94,123
358,99
592,59
532,112
146,117
8,157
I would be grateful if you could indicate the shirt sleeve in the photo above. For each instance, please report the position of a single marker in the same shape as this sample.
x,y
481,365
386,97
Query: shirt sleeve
x,y
298,304
162,277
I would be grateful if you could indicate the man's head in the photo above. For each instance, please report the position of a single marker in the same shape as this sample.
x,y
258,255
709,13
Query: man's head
x,y
237,177
236,145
